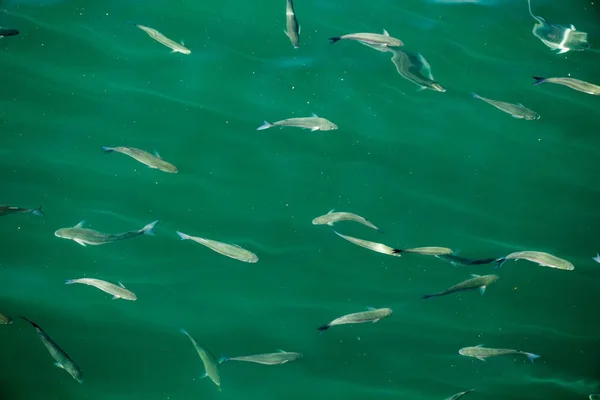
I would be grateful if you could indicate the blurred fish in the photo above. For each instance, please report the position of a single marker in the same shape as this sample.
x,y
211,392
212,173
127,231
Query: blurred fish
x,y
314,123
377,247
457,260
597,258
373,315
291,23
6,210
516,110
5,32
162,39
211,366
281,357
370,38
229,250
332,217
5,320
476,282
85,236
575,84
152,161
426,251
415,68
481,353
118,292
459,395
543,259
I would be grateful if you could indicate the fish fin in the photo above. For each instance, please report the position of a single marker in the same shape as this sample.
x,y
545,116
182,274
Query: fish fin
x,y
184,331
331,211
38,211
426,67
59,365
564,50
421,88
316,128
107,149
480,345
572,27
299,29
80,224
532,356
115,297
475,95
264,126
123,286
520,105
286,34
375,320
314,115
183,236
385,33
149,229
482,289
332,40
281,351
157,155
397,252
70,281
81,242
428,296
323,328
223,359
475,275
204,375
538,80
480,358
173,51
330,223
371,308
499,262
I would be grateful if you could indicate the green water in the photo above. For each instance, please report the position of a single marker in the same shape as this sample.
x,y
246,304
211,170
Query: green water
x,y
429,168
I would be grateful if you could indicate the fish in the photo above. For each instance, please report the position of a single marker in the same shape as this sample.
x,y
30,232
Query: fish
x,y
377,247
543,259
162,39
372,315
6,210
427,251
152,161
415,68
5,320
281,357
476,282
229,250
314,123
459,395
332,217
211,365
370,38
516,110
457,260
481,353
84,236
6,32
597,258
62,359
575,84
118,292
293,29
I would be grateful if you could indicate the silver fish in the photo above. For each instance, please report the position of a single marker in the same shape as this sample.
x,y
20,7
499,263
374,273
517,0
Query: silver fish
x,y
6,210
373,315
370,38
481,353
118,292
476,282
516,110
314,123
281,357
459,395
152,161
415,68
291,23
541,258
575,84
211,365
332,217
377,247
5,320
85,236
62,359
428,251
229,250
162,39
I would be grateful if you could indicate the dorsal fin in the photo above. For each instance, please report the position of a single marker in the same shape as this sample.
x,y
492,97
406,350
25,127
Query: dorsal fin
x,y
80,224
123,286
385,33
331,211
157,155
315,115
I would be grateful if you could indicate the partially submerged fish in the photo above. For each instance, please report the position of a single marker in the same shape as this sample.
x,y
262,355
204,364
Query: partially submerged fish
x,y
516,110
229,250
62,359
85,236
5,32
476,282
426,251
6,210
370,38
211,365
457,260
152,161
415,68
541,258
332,217
481,353
575,84
378,247
162,39
292,28
373,315
314,123
5,320
459,395
281,357
118,292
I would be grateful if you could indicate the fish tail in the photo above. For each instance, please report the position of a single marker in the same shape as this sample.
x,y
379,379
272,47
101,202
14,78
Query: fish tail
x,y
428,296
31,322
70,281
264,126
538,80
107,149
149,229
475,95
332,40
183,236
38,211
499,262
397,252
223,359
532,356
323,328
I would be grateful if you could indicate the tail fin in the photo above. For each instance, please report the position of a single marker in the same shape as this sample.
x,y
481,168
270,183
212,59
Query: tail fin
x,y
183,236
538,80
332,40
428,296
70,281
397,252
532,356
38,211
31,322
499,262
149,229
264,126
223,359
323,328
475,95
107,149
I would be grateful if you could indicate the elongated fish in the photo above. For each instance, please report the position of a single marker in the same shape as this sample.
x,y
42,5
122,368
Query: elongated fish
x,y
332,217
378,247
543,259
229,250
85,236
516,110
162,39
481,353
292,28
211,365
370,38
314,123
281,357
62,359
373,315
5,32
476,282
5,320
459,395
457,260
575,84
152,161
415,68
6,210
426,251
118,292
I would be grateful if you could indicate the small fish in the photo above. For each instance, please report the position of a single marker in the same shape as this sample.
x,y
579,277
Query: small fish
x,y
229,250
332,217
6,32
373,315
152,161
5,320
575,84
85,236
281,357
476,282
543,259
314,123
457,260
162,39
62,359
378,247
516,110
370,39
291,23
597,258
118,292
415,68
459,395
427,251
6,210
211,365
481,353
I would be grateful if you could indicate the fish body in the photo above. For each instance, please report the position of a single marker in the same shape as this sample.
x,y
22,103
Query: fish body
x,y
476,282
415,68
5,32
229,250
459,395
292,28
211,365
7,210
541,258
62,359
152,161
118,292
332,217
85,236
457,260
575,84
377,247
281,357
370,38
5,320
481,353
428,251
373,315
162,39
516,110
314,123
